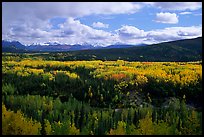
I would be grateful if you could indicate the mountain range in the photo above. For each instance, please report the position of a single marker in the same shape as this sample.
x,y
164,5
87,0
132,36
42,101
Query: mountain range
x,y
180,50
15,46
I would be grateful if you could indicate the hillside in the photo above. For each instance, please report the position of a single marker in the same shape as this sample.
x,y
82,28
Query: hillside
x,y
181,50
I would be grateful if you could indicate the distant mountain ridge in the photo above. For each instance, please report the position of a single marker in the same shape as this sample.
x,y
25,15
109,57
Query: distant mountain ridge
x,y
15,46
13,43
180,50
12,46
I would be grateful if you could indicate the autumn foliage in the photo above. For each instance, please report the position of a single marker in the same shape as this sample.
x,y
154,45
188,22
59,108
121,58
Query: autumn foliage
x,y
97,97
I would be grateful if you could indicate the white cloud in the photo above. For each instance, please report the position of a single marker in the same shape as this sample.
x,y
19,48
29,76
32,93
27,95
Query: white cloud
x,y
185,13
74,32
169,18
133,35
174,33
130,32
81,30
45,10
37,14
190,13
100,25
29,21
180,6
35,27
86,34
130,35
189,31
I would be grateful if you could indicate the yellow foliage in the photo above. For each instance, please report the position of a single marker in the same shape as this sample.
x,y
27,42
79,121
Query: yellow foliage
x,y
17,124
146,126
48,128
73,130
120,129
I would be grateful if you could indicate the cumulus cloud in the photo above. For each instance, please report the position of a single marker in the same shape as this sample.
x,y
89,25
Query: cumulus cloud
x,y
35,25
174,33
100,25
25,21
189,31
169,18
83,31
179,6
133,35
130,35
130,32
45,10
36,14
74,32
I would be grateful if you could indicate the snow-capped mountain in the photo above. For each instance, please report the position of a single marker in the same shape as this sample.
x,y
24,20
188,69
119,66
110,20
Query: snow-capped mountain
x,y
56,46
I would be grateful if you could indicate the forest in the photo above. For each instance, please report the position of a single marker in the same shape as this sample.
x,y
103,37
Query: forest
x,y
41,96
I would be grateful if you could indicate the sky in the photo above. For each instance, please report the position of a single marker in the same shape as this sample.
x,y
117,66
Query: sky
x,y
100,23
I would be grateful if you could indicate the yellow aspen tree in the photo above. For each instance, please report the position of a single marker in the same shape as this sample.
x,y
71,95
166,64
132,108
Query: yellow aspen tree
x,y
146,126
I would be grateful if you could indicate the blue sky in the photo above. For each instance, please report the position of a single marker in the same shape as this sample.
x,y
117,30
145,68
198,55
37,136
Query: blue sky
x,y
101,23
